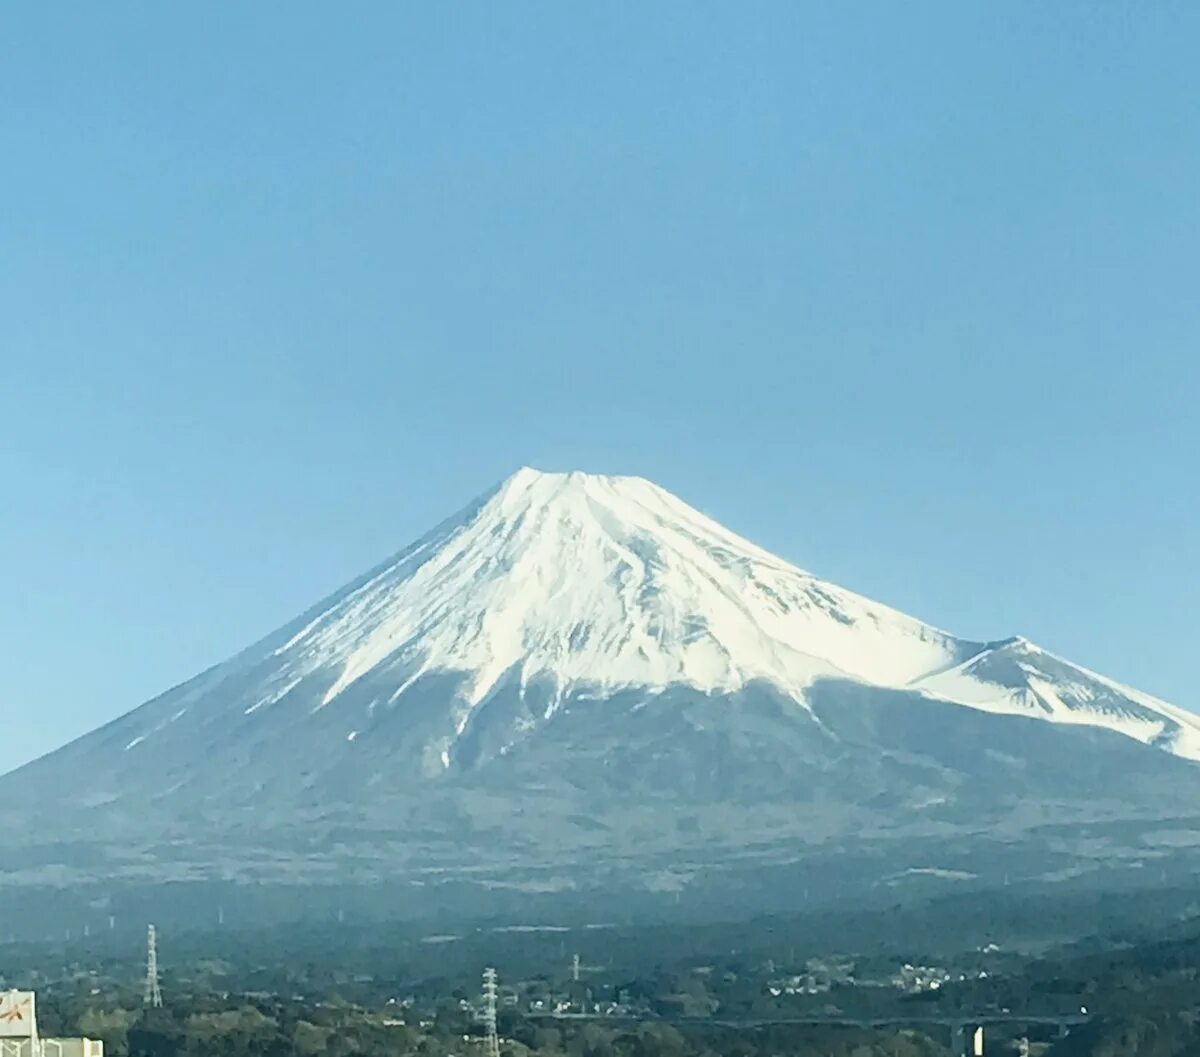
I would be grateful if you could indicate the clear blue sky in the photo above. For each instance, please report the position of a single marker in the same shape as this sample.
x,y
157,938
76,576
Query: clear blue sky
x,y
904,292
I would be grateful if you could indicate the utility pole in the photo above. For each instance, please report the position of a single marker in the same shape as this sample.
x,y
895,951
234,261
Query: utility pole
x,y
152,998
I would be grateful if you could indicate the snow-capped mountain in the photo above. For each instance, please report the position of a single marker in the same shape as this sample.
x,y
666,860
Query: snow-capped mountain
x,y
573,646
583,583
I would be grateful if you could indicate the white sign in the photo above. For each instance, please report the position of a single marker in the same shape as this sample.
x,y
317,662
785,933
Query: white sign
x,y
17,1015
979,1042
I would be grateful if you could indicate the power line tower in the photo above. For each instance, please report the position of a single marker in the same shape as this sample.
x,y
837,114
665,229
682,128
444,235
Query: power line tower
x,y
152,998
489,1012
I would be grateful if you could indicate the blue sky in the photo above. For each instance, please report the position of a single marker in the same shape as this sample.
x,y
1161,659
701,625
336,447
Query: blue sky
x,y
906,293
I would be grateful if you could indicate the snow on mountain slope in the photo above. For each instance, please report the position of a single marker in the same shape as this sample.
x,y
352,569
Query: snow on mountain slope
x,y
606,582
1017,678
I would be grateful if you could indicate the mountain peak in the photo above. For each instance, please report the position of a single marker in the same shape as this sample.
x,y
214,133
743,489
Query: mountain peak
x,y
526,475
538,487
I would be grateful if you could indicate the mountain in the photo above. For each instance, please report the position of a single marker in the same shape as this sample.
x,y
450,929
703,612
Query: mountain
x,y
581,676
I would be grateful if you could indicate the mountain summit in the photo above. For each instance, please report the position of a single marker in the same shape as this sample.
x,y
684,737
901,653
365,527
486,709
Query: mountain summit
x,y
571,647
578,582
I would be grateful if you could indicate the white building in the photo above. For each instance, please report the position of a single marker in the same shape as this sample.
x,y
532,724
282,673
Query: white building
x,y
19,1032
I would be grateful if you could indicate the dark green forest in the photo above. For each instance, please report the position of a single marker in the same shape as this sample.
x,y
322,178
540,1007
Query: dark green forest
x,y
670,989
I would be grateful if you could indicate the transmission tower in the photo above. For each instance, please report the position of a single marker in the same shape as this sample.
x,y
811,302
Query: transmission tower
x,y
489,1012
152,996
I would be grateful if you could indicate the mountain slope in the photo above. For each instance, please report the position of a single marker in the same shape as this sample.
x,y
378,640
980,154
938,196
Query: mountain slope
x,y
1017,678
572,650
